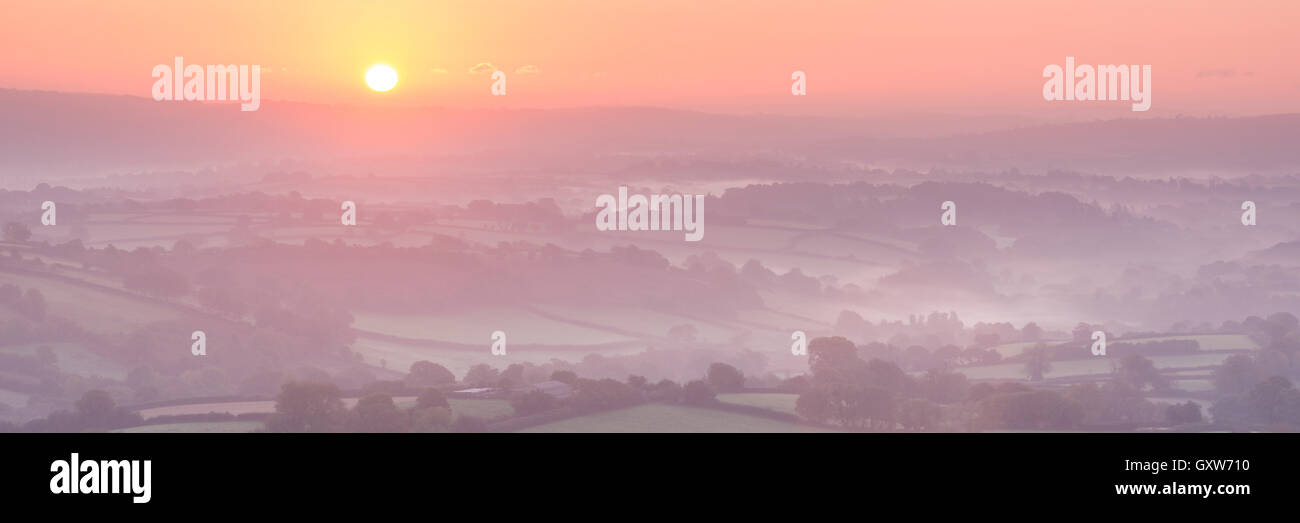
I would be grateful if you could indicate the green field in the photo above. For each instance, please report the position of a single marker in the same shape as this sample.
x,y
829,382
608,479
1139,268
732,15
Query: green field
x,y
774,401
480,408
90,308
72,358
488,409
661,418
1008,350
1071,368
522,327
399,356
1207,342
194,428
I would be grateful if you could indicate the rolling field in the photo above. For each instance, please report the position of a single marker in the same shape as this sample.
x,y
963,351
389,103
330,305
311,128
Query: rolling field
x,y
400,356
92,309
488,409
481,408
1072,368
476,328
661,418
72,358
225,427
1207,342
774,401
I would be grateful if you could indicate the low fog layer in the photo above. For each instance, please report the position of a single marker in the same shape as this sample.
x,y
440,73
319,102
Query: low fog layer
x,y
837,236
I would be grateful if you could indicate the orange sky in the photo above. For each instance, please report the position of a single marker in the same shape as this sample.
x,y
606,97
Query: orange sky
x,y
860,57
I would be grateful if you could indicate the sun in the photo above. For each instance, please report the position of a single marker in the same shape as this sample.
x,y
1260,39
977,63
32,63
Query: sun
x,y
381,78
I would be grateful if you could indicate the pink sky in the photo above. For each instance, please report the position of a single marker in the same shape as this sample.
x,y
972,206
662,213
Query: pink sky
x,y
860,57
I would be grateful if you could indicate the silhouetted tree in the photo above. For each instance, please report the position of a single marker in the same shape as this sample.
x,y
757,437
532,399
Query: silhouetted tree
x,y
725,378
308,407
428,374
698,392
378,413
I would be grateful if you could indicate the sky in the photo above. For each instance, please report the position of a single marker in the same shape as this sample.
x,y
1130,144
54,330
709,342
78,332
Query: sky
x,y
860,58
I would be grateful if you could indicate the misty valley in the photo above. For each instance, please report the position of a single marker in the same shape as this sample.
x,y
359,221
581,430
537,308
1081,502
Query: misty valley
x,y
917,318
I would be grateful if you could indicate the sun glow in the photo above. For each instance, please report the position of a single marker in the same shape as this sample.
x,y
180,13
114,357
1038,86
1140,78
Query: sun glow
x,y
381,78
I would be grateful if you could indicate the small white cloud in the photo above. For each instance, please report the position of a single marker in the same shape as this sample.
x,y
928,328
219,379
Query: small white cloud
x,y
528,69
483,68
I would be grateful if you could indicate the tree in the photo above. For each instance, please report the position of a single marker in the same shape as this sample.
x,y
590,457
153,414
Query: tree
x,y
1032,332
850,405
432,412
918,414
428,374
17,232
533,402
1236,375
1189,412
725,378
834,360
513,376
466,423
945,387
435,419
308,407
698,392
814,405
431,398
378,413
1274,401
885,375
95,404
604,394
482,375
567,377
1113,402
97,410
1137,372
1038,362
1033,409
867,407
666,390
1082,333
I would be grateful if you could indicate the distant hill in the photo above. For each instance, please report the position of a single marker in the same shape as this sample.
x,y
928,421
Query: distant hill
x,y
52,135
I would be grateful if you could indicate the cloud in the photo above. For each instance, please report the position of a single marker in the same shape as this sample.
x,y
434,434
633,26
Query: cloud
x,y
483,68
528,69
439,70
